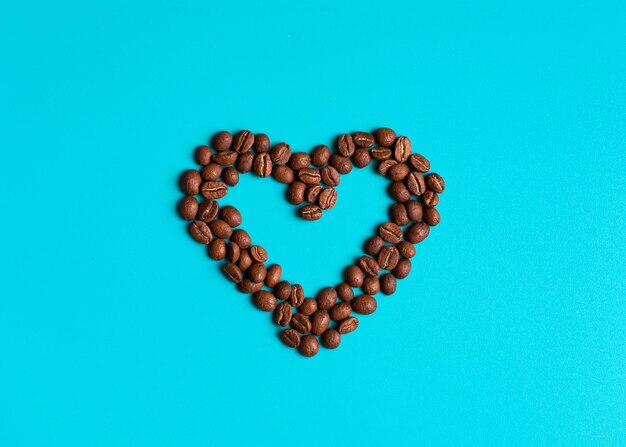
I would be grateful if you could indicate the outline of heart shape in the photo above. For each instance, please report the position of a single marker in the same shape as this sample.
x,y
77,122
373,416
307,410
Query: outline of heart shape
x,y
414,189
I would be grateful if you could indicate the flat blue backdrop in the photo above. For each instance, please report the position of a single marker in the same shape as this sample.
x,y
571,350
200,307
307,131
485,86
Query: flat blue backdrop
x,y
115,327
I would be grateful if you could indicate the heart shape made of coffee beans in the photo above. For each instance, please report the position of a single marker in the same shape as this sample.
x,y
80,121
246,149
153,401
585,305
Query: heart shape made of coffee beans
x,y
311,178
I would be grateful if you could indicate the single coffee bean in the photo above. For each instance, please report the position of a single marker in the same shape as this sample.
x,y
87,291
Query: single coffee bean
x,y
345,145
274,272
390,232
415,183
342,164
283,290
430,198
363,139
403,269
340,311
354,276
230,176
244,162
311,212
330,176
398,172
296,298
373,245
435,183
290,338
385,165
380,153
232,272
231,216
361,158
243,141
431,216
387,284
419,163
402,149
406,249
413,210
222,141
385,136
348,325
220,228
319,322
281,153
217,249
241,238
188,208
398,214
213,190
295,192
257,272
299,160
327,198
345,292
300,323
211,172
371,285
248,286
312,192
331,339
388,257
399,192
364,304
326,298
264,300
308,307
417,232
369,266
190,182
232,251
201,232
258,253
261,143
320,155
203,155
282,314
310,176
283,174
245,260
309,346
225,158
262,165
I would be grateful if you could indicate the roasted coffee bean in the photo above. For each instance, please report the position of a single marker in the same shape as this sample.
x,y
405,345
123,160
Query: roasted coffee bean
x,y
245,260
310,176
413,210
402,149
222,141
399,192
257,272
312,192
230,176
213,190
283,290
201,232
430,198
371,285
248,286
363,139
387,284
311,212
261,143
320,155
211,172
331,339
233,273
290,337
354,276
345,292
319,322
308,306
369,266
232,251
431,216
361,158
419,163
373,245
398,214
348,325
364,304
188,208
415,183
243,141
390,232
296,298
327,198
274,272
220,228
403,269
326,298
309,346
203,155
241,238
380,153
282,314
300,323
398,172
231,216
340,311
264,300
262,165
295,192
406,249
417,232
190,182
225,158
435,183
280,153
330,176
385,136
283,174
342,164
244,162
299,160
385,165
388,257
258,253
345,145
217,249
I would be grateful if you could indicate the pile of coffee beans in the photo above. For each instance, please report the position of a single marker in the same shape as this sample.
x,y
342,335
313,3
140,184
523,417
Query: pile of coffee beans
x,y
312,179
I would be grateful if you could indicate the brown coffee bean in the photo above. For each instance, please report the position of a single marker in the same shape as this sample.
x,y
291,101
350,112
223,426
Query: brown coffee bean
x,y
281,153
248,286
398,172
371,285
311,212
326,298
283,174
345,292
387,284
320,155
245,260
290,338
388,257
312,192
369,266
264,300
399,192
203,155
225,158
327,198
220,228
330,176
308,306
262,165
188,208
430,198
309,346
364,304
319,322
233,273
331,339
261,143
417,232
385,136
200,232
354,276
380,153
415,183
402,149
231,216
299,160
232,251
257,272
342,164
431,216
274,272
222,141
403,269
283,290
282,314
211,172
373,245
406,249
363,139
244,162
230,176
300,323
435,183
413,210
296,298
390,232
345,145
295,192
258,253
241,238
310,176
361,158
348,325
243,141
385,165
398,214
419,163
340,311
190,182
213,190
217,249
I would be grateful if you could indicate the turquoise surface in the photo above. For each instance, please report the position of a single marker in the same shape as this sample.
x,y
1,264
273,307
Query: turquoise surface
x,y
117,330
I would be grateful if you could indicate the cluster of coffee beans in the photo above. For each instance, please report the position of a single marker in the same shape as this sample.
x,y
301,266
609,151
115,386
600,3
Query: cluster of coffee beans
x,y
312,178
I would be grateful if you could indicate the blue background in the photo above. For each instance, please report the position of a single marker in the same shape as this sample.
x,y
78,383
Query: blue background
x,y
115,327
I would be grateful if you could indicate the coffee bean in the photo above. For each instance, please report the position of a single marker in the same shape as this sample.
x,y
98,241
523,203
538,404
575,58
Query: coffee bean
x,y
301,323
309,176
244,162
258,253
283,290
261,143
203,155
274,272
342,164
231,216
319,322
399,192
280,153
430,198
232,251
373,245
354,276
308,306
190,182
369,266
431,216
380,153
415,183
312,192
200,232
330,176
188,208
311,212
419,163
245,260
361,158
241,238
220,228
257,271
348,325
296,298
320,155
299,160
403,269
340,311
371,285
264,300
363,139
345,145
398,172
390,232
283,174
331,339
417,232
364,304
248,286
213,190
387,284
327,198
290,338
398,214
295,192
388,257
225,158
345,292
230,176
402,149
243,141
406,249
211,172
233,273
282,314
262,165
309,346
217,249
326,298
385,165
222,141
435,183
384,136
413,210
